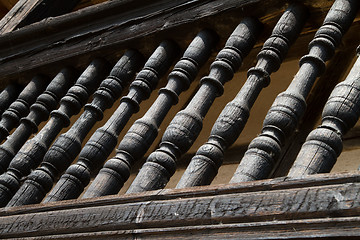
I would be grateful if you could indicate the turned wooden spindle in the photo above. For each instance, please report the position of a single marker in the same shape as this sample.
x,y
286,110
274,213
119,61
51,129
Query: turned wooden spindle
x,y
39,112
289,106
204,165
68,145
21,107
8,95
187,124
324,144
32,152
104,140
144,131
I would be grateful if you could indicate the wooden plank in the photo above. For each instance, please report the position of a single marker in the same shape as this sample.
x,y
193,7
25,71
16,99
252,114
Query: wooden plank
x,y
337,197
289,229
26,12
106,29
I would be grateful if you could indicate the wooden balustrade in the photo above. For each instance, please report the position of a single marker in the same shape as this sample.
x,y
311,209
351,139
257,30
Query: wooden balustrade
x,y
8,95
105,138
40,181
324,144
144,131
187,124
204,165
21,106
68,145
39,112
32,152
289,106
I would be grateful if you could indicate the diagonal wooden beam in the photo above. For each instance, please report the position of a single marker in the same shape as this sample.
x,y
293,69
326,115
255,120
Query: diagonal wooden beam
x,y
26,12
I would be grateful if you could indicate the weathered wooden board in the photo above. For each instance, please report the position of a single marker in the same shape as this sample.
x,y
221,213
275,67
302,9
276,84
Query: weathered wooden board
x,y
107,28
270,204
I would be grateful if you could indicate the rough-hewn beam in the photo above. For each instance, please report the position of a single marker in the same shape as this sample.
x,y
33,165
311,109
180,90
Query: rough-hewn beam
x,y
308,203
112,29
26,12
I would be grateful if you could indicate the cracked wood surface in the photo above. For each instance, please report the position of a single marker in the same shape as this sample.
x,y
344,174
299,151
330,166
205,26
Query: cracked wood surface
x,y
321,198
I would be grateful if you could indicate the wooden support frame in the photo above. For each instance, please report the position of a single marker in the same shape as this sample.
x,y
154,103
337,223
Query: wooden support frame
x,y
115,25
324,205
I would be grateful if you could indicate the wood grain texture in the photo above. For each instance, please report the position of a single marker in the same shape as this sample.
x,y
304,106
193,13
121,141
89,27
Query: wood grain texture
x,y
39,112
111,30
204,165
289,106
187,124
9,95
32,152
26,12
316,203
324,144
105,138
144,131
68,145
21,106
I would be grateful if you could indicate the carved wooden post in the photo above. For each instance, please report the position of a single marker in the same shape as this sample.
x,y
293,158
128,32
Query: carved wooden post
x,y
39,112
21,107
187,124
8,95
289,106
204,165
144,131
32,152
68,145
104,140
324,144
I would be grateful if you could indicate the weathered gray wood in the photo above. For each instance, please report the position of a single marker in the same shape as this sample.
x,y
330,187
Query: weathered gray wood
x,y
68,145
289,106
187,124
111,29
144,131
39,112
32,152
21,106
105,138
324,144
309,200
8,95
26,12
204,165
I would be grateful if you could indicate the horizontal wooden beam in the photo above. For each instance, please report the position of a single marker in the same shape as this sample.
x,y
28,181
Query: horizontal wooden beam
x,y
309,205
106,29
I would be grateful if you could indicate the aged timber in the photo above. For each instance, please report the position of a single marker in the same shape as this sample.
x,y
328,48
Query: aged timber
x,y
187,124
144,131
32,152
289,106
324,144
39,112
105,138
21,106
247,208
227,128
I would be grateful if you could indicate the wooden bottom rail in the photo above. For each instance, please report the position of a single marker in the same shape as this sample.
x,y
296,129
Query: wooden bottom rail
x,y
321,206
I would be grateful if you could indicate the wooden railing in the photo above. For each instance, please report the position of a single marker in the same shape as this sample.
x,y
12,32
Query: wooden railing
x,y
38,169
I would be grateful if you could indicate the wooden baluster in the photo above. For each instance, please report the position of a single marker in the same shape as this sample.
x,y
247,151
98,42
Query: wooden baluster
x,y
144,131
289,106
204,165
187,124
68,145
21,107
39,112
32,152
324,144
8,95
104,140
